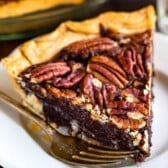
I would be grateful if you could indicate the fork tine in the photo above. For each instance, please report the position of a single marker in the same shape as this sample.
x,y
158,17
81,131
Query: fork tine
x,y
110,152
94,155
93,160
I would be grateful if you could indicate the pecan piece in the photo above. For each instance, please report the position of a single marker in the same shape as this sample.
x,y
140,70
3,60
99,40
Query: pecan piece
x,y
147,57
143,38
108,62
106,69
93,92
139,66
127,106
98,96
100,77
87,87
134,95
125,59
105,72
48,71
71,80
135,115
82,50
69,94
132,62
123,123
109,92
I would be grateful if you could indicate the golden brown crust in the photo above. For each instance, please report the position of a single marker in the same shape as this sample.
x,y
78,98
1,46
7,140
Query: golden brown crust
x,y
47,46
118,22
16,8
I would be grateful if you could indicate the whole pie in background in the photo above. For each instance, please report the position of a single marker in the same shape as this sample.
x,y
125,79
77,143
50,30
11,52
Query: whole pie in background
x,y
13,8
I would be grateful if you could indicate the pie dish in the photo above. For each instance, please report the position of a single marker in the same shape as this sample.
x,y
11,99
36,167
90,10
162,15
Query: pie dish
x,y
94,77
13,8
41,21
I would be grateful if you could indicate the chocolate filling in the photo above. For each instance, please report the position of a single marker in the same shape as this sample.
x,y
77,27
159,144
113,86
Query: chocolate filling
x,y
63,112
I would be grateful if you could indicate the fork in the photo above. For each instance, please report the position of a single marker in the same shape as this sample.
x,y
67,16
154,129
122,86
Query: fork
x,y
71,150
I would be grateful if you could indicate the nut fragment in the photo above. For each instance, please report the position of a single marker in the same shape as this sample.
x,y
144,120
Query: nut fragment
x,y
128,106
145,143
61,93
123,123
97,83
137,95
135,115
137,137
98,96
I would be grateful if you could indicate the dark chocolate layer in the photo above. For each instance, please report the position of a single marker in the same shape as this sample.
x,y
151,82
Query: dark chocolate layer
x,y
62,112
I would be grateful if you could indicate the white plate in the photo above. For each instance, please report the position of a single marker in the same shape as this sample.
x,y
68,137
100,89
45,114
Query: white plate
x,y
19,150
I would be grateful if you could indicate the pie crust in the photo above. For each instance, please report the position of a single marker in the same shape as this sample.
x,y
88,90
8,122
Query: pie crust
x,y
47,46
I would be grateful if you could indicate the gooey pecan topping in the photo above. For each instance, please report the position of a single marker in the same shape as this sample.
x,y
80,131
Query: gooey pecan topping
x,y
106,75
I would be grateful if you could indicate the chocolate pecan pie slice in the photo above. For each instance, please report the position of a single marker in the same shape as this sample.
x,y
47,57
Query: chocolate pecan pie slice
x,y
94,77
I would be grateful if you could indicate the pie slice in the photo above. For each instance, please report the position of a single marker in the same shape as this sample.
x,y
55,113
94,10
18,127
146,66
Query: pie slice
x,y
94,77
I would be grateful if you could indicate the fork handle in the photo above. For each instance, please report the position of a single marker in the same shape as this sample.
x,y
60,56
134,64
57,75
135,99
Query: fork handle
x,y
25,112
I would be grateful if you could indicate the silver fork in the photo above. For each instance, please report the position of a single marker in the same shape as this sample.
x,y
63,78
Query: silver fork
x,y
68,149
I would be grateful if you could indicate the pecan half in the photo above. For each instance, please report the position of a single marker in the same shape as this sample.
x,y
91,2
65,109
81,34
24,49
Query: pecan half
x,y
98,97
60,74
100,76
82,50
71,79
48,71
87,87
92,91
98,94
147,57
108,62
109,92
106,68
69,94
132,62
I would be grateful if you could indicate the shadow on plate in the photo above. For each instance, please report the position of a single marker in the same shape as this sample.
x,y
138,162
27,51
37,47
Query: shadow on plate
x,y
162,78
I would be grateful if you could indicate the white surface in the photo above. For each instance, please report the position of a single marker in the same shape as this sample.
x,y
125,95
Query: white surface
x,y
18,149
